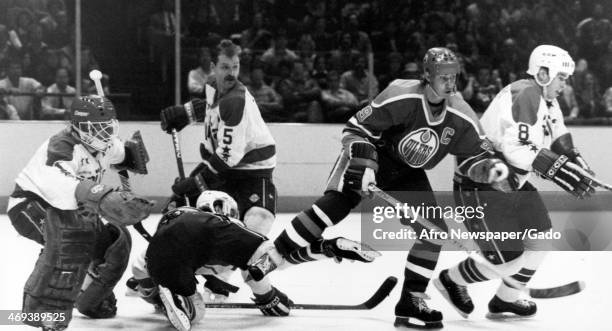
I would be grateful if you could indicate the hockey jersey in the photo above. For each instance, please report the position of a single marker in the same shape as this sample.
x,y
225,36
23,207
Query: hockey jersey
x,y
520,122
60,163
236,137
400,120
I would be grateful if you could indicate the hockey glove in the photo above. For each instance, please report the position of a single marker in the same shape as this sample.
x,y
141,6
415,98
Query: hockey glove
x,y
273,303
564,173
178,117
190,186
116,206
218,288
362,168
565,145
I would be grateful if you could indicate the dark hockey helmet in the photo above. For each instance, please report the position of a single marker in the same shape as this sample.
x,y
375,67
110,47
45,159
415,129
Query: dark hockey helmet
x,y
440,61
94,120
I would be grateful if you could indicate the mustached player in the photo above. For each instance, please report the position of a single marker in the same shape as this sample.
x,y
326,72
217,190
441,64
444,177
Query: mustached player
x,y
58,201
408,128
189,241
525,124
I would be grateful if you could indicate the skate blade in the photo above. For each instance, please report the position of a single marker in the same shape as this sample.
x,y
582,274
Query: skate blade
x,y
409,323
366,252
177,317
507,316
438,284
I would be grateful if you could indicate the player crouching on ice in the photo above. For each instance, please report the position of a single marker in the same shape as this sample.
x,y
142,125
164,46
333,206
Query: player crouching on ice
x,y
58,201
526,126
189,241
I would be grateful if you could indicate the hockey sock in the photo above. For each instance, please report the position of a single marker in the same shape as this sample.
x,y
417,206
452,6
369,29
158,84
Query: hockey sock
x,y
308,225
531,260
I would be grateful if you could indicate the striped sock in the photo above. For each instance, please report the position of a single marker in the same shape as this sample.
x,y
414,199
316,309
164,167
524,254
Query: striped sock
x,y
468,272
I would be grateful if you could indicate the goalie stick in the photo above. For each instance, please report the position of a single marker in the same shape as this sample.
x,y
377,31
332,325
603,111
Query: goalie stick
x,y
541,293
124,177
179,158
381,293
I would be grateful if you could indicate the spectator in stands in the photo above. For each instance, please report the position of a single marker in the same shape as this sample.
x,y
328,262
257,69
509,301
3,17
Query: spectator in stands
x,y
411,71
61,34
344,52
589,97
7,111
15,83
319,70
22,28
359,81
360,38
593,34
246,66
267,99
394,70
198,77
46,70
607,103
161,37
338,104
278,52
256,36
605,66
6,48
36,46
306,47
484,90
567,102
301,96
323,40
54,106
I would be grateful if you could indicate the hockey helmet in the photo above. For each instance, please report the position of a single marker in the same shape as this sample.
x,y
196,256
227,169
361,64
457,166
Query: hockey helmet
x,y
440,61
94,120
555,59
218,202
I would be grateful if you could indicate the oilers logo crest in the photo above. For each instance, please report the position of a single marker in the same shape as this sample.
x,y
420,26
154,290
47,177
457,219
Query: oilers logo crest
x,y
418,147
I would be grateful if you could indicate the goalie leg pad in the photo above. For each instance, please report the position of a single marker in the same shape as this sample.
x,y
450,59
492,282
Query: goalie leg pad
x,y
60,270
112,255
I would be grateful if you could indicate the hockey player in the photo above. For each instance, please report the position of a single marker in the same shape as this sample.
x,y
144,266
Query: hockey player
x,y
238,152
406,129
58,201
189,240
526,126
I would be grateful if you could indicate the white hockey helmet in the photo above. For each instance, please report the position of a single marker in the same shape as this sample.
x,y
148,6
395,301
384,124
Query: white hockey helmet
x,y
218,202
555,59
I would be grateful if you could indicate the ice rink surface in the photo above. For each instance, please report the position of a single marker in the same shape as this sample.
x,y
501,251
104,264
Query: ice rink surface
x,y
346,283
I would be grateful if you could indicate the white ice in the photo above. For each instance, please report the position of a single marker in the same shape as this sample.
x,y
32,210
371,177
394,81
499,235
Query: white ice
x,y
345,283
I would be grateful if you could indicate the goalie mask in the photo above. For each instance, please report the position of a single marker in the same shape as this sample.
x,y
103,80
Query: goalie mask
x,y
94,120
218,202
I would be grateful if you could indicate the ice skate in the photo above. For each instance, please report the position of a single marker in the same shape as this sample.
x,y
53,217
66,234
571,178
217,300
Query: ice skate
x,y
502,310
416,314
454,293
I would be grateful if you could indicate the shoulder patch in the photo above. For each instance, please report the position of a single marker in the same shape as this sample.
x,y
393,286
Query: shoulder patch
x,y
525,101
231,109
60,148
364,113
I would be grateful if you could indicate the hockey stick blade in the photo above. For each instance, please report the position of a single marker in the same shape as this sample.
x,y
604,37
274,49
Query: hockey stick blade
x,y
557,292
383,291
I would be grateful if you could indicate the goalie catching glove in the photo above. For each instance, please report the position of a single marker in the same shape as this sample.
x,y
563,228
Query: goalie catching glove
x,y
273,303
116,206
202,178
564,173
136,155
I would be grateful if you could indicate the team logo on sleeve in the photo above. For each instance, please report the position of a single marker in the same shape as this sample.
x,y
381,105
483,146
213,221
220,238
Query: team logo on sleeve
x,y
364,113
418,147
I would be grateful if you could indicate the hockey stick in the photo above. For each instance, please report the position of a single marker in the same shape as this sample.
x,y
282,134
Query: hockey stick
x,y
179,158
381,293
596,182
124,177
543,293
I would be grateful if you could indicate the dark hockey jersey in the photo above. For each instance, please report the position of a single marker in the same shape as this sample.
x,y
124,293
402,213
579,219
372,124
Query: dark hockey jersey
x,y
400,122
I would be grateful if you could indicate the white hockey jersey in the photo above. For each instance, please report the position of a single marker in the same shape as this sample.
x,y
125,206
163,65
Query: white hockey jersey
x,y
236,135
58,166
520,122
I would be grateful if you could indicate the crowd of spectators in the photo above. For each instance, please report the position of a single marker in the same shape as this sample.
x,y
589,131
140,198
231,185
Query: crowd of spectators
x,y
37,60
305,47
